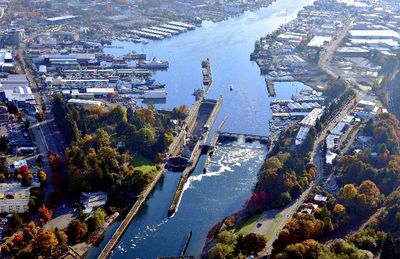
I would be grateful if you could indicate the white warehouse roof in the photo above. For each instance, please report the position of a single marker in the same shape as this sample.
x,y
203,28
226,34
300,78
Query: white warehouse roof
x,y
374,33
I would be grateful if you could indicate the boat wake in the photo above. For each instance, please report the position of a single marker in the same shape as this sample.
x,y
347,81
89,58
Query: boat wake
x,y
141,235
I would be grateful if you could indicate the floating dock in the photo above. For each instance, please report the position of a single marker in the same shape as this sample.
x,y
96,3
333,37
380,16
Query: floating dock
x,y
172,27
163,34
147,35
183,25
271,88
173,32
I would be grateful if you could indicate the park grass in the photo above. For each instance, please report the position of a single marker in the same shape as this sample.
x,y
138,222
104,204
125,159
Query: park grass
x,y
247,226
275,223
143,164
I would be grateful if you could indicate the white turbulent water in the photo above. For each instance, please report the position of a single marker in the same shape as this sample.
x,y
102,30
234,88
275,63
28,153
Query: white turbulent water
x,y
227,158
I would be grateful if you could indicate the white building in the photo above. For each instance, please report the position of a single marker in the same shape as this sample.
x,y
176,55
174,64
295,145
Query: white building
x,y
92,200
84,103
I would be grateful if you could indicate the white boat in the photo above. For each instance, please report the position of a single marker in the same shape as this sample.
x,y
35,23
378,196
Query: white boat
x,y
153,64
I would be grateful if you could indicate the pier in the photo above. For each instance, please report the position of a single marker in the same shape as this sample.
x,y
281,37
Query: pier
x,y
270,87
195,155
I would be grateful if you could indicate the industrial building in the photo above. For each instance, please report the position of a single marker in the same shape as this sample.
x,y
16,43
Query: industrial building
x,y
6,60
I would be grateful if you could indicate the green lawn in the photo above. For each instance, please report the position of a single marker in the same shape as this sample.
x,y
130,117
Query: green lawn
x,y
143,164
247,226
277,219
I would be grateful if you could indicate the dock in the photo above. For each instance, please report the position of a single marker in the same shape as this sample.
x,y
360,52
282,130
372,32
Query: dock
x,y
270,87
194,159
183,25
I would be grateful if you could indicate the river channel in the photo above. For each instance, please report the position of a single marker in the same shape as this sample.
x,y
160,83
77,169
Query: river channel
x,y
210,197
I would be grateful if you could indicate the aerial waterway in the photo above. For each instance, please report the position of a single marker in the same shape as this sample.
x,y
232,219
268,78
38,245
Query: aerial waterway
x,y
232,172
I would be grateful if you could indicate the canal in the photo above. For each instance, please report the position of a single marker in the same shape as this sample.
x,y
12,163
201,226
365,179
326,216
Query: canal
x,y
233,169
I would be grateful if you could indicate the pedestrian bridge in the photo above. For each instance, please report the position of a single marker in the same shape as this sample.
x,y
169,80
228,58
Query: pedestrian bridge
x,y
249,138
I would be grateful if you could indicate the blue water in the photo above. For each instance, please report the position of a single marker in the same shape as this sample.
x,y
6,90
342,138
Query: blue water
x,y
233,170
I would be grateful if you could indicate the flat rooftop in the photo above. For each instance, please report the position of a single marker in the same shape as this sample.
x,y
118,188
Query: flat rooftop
x,y
374,33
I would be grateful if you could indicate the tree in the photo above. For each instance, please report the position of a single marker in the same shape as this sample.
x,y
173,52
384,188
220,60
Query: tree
x,y
42,177
339,209
272,164
15,221
70,130
117,115
169,138
181,112
308,142
349,191
30,230
98,218
220,251
306,249
251,244
45,243
45,214
388,248
76,231
226,237
62,239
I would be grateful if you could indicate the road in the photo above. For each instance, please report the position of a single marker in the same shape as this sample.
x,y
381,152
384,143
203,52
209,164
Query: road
x,y
326,56
47,135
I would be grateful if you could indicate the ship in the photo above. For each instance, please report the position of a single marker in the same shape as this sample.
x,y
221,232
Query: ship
x,y
153,64
141,82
